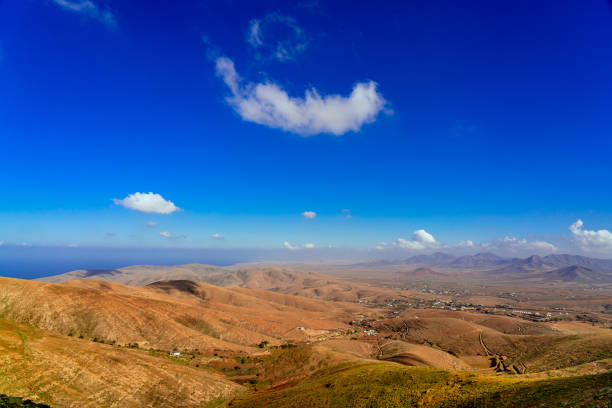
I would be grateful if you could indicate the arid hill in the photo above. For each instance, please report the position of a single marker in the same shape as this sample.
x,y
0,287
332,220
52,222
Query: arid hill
x,y
169,314
292,282
64,371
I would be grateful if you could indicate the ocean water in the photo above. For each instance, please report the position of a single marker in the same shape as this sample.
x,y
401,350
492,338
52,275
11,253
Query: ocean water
x,y
36,262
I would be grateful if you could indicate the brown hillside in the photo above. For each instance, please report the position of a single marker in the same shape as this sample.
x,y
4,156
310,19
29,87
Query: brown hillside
x,y
301,283
165,315
70,372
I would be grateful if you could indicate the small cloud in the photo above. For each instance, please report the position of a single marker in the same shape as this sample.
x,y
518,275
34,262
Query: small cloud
x,y
168,235
268,104
381,245
89,9
151,224
276,37
147,203
296,247
591,240
309,214
289,246
217,236
420,240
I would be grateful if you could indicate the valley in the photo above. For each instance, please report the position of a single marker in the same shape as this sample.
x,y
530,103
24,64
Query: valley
x,y
281,335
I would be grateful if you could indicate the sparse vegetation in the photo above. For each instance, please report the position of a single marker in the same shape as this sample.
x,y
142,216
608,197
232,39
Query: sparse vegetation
x,y
17,402
384,385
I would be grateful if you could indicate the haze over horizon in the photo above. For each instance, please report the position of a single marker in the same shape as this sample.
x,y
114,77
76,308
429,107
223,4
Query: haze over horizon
x,y
303,131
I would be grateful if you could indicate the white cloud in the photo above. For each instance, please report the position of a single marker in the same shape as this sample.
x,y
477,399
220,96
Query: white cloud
x,y
515,245
309,214
90,9
507,246
289,246
381,245
466,244
263,36
217,236
270,105
168,235
147,203
296,247
420,240
151,224
591,240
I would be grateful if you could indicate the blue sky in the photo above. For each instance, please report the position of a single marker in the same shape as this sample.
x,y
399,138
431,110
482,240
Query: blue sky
x,y
486,123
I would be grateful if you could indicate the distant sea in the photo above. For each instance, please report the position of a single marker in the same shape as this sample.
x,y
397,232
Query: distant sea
x,y
36,262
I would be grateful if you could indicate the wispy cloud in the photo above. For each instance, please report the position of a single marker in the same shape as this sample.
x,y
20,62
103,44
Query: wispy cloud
x,y
151,224
309,215
268,104
254,33
147,203
217,236
168,235
297,247
514,246
277,37
91,10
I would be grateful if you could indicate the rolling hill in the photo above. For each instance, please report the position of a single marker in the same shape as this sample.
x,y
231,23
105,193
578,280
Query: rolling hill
x,y
168,314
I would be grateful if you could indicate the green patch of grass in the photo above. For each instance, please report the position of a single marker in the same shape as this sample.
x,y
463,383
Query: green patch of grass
x,y
217,402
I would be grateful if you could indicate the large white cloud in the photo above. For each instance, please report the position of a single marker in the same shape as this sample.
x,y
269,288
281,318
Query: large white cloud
x,y
147,203
590,240
268,104
420,240
90,9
